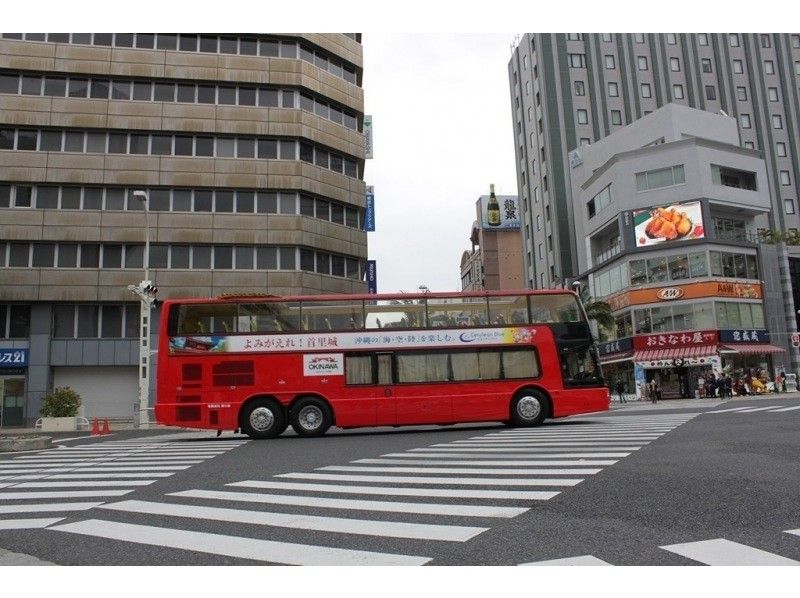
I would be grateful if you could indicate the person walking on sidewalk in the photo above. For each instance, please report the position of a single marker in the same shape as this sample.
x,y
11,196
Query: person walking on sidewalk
x,y
620,387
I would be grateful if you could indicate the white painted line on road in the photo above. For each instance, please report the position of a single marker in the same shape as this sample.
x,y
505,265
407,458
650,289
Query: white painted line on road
x,y
450,510
115,458
524,441
786,409
794,532
103,476
28,523
727,553
538,455
726,410
64,494
172,468
469,471
513,463
388,491
84,484
585,561
333,477
234,546
537,444
753,409
364,527
513,450
94,466
48,507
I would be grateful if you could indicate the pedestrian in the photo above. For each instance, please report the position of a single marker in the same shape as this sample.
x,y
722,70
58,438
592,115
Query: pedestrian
x,y
621,391
728,386
780,381
701,386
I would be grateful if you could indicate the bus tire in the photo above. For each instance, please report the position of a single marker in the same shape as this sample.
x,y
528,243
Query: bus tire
x,y
310,416
263,418
529,408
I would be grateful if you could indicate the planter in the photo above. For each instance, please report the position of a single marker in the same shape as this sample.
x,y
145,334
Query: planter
x,y
59,424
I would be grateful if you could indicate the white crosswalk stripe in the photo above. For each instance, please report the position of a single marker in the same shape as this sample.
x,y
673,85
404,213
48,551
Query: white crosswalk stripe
x,y
751,409
447,492
28,523
724,552
586,560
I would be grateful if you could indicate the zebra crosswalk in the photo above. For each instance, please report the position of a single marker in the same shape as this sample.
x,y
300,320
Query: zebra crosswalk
x,y
46,481
714,552
394,509
751,409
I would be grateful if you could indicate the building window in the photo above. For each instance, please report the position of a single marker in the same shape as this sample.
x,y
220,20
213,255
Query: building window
x,y
785,178
777,121
677,92
577,61
641,61
616,117
580,89
646,90
585,141
599,202
638,38
538,222
745,120
766,41
738,67
613,89
769,67
797,67
749,145
772,93
788,205
610,62
583,117
525,62
702,39
734,40
780,149
664,177
671,39
575,37
527,88
732,177
606,37
796,41
675,64
706,64
741,94
711,92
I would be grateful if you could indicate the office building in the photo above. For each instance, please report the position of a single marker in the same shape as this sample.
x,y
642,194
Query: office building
x,y
249,147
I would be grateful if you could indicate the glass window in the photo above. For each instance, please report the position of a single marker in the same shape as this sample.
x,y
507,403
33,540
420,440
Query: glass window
x,y
22,197
323,262
132,321
92,198
112,256
716,263
226,95
679,267
203,146
19,255
247,96
187,42
5,201
186,92
209,43
134,256
245,147
683,317
245,202
164,92
53,86
7,139
87,321
159,200
184,145
740,267
359,369
167,41
139,143
31,85
181,200
752,267
268,97
206,94
267,258
63,321
142,90
244,258
226,148
638,270
96,143
9,83
642,321
657,269
223,201
26,140
99,88
71,198
202,201
698,265
287,203
267,149
661,318
117,143
111,316
201,257
287,258
229,45
90,255
223,257
179,257
161,145
44,255
47,197
268,48
267,203
74,141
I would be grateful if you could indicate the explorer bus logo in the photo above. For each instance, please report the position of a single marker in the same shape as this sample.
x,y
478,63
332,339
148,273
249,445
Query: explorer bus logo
x,y
331,364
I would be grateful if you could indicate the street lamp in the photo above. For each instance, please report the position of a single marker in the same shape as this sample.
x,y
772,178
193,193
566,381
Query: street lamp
x,y
146,293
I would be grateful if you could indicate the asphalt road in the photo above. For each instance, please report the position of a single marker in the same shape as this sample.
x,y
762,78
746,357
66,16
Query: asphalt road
x,y
683,484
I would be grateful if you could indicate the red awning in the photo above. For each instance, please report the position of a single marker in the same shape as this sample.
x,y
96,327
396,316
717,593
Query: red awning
x,y
674,352
752,349
615,358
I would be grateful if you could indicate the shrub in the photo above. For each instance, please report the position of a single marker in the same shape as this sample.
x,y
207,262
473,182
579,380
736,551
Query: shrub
x,y
62,402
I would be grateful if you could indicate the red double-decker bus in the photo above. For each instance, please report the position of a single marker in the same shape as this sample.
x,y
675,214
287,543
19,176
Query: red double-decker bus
x,y
261,363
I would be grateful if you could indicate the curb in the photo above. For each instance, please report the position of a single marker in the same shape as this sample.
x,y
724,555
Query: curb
x,y
13,445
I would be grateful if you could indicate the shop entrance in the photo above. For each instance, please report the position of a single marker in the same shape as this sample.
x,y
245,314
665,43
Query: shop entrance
x,y
12,401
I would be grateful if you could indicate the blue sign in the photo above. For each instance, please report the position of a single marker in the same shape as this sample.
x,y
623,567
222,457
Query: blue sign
x,y
638,372
617,346
369,213
744,336
13,358
372,277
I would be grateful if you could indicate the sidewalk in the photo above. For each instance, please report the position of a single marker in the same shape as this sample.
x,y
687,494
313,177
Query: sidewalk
x,y
695,403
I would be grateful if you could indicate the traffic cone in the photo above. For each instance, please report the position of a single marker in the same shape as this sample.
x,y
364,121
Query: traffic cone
x,y
95,427
105,427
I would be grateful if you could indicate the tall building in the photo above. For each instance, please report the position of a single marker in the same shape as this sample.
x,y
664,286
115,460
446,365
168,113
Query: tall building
x,y
495,260
249,147
570,90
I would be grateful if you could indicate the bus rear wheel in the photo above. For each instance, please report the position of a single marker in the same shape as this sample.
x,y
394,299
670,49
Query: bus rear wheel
x,y
263,418
528,409
311,417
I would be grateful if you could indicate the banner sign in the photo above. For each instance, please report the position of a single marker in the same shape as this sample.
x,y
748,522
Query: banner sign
x,y
13,358
677,222
509,213
675,340
378,339
369,212
327,364
372,277
368,136
617,346
744,336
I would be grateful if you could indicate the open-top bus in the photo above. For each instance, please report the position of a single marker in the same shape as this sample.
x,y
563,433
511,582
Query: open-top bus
x,y
260,363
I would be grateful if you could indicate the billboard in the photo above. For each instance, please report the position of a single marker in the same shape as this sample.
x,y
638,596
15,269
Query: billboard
x,y
509,213
676,222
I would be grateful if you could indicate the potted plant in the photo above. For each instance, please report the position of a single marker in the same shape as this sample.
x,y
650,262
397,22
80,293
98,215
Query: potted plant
x,y
60,409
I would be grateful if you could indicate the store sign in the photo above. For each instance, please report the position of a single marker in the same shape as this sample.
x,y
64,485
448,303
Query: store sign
x,y
13,358
694,290
368,136
676,222
372,277
369,212
675,340
509,213
617,346
712,360
670,293
744,336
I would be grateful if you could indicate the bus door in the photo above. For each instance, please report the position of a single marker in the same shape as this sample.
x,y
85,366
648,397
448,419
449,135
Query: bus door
x,y
422,393
386,408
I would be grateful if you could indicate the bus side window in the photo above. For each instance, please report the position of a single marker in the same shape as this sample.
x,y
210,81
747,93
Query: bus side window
x,y
385,368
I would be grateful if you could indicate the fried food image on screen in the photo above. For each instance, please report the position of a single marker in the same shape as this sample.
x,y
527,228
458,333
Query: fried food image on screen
x,y
668,224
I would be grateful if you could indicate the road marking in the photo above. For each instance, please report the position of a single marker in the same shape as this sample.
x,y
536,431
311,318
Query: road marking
x,y
234,546
794,532
467,471
728,410
542,463
586,560
48,507
85,484
332,477
514,450
114,459
533,439
475,446
28,523
727,553
358,505
751,410
60,494
389,491
172,468
538,455
390,529
786,409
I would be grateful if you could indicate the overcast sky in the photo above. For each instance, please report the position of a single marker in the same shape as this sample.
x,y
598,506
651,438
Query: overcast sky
x,y
442,133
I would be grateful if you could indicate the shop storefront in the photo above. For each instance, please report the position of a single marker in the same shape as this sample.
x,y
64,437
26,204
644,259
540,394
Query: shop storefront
x,y
748,351
13,370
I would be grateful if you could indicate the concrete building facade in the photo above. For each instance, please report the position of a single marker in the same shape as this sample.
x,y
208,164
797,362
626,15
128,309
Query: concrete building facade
x,y
250,147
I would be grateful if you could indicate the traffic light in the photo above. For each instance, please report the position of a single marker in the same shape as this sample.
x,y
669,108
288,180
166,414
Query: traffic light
x,y
146,291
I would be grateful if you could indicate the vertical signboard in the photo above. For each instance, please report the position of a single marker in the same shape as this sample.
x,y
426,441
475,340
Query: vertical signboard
x,y
372,277
369,213
368,136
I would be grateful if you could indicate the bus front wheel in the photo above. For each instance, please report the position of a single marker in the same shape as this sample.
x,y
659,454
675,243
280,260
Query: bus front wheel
x,y
529,408
311,417
263,418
